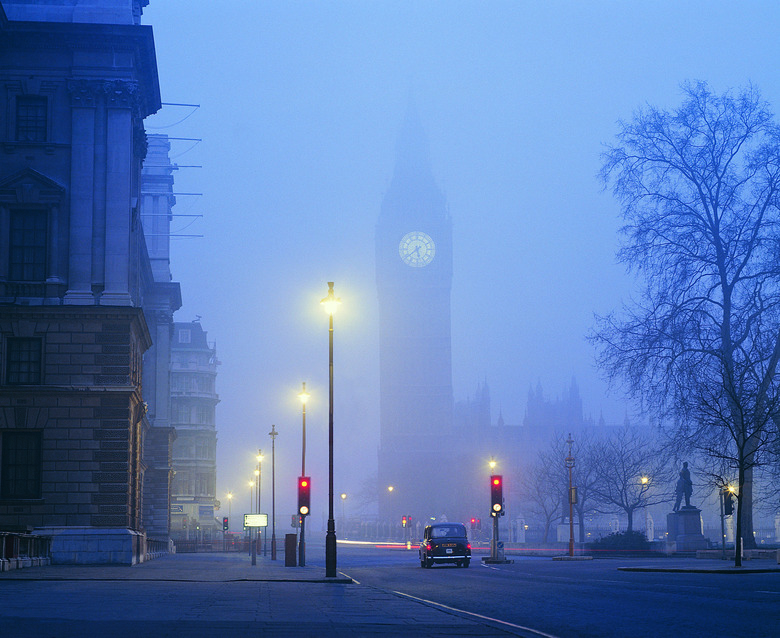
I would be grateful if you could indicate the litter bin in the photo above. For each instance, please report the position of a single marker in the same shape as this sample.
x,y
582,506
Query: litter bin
x,y
290,553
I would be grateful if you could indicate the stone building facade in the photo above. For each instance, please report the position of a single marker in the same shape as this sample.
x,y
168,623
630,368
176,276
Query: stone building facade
x,y
193,412
78,78
163,299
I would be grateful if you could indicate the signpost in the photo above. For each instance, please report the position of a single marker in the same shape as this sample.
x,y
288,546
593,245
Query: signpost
x,y
255,520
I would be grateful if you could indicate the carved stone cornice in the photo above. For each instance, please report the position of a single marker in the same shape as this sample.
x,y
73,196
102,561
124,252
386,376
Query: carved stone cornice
x,y
84,93
122,94
118,94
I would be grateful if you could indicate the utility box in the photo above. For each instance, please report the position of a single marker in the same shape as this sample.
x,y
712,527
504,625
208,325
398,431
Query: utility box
x,y
290,550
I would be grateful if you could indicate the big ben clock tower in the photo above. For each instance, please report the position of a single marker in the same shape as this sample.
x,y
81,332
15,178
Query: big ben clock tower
x,y
414,277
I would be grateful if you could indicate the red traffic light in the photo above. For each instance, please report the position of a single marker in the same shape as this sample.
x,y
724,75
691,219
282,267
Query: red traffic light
x,y
304,495
496,495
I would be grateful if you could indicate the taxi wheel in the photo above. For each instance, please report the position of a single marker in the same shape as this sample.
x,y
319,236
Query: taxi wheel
x,y
465,563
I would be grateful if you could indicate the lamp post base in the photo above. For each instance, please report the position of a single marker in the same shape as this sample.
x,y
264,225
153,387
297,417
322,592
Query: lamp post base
x,y
330,551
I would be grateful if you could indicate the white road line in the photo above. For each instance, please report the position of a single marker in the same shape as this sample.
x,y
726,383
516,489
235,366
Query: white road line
x,y
470,613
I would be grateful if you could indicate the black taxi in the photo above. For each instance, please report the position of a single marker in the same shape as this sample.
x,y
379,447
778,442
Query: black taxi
x,y
445,543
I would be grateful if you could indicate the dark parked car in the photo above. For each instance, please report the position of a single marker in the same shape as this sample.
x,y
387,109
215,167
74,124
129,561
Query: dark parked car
x,y
445,543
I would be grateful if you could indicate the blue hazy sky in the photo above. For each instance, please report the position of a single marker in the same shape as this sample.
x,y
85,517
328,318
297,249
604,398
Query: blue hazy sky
x,y
300,106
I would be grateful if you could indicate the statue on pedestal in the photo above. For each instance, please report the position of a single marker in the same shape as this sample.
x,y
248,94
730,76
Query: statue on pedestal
x,y
684,488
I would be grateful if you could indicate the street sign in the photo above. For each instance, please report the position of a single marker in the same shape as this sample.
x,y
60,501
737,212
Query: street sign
x,y
255,520
177,509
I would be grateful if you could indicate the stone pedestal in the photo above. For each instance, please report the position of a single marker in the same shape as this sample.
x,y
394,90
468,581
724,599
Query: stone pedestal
x,y
685,530
95,545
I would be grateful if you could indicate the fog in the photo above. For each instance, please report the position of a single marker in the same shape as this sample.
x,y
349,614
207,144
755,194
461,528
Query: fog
x,y
300,107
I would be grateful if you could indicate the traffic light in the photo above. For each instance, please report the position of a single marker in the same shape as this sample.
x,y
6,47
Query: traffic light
x,y
728,502
473,523
225,526
496,495
304,495
403,521
479,523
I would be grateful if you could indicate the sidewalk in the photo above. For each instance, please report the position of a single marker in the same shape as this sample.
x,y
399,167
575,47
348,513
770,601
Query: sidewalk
x,y
205,567
197,594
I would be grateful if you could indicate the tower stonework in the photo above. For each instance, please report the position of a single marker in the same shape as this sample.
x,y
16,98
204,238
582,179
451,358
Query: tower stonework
x,y
414,279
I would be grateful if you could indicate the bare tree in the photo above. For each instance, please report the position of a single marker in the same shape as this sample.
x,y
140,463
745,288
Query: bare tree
x,y
541,491
631,472
699,192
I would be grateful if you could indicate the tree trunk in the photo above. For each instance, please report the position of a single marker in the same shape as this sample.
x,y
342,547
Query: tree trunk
x,y
746,510
630,527
740,517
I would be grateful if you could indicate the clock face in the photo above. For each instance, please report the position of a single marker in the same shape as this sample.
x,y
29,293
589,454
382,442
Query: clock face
x,y
417,249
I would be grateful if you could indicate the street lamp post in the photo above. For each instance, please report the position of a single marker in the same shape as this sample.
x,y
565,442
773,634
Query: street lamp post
x,y
343,515
259,475
303,396
230,521
273,434
569,462
330,303
249,529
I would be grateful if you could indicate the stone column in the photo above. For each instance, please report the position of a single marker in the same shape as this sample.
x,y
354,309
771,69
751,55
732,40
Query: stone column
x,y
121,102
84,95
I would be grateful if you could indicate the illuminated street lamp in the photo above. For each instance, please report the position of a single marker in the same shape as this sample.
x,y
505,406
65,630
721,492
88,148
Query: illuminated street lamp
x,y
645,482
330,304
303,396
230,509
343,515
492,464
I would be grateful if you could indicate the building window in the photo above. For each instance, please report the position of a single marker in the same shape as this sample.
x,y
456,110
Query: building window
x,y
27,253
30,118
23,363
182,413
204,415
20,465
185,335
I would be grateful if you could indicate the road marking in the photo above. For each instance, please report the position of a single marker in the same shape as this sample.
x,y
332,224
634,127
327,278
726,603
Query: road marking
x,y
471,613
776,593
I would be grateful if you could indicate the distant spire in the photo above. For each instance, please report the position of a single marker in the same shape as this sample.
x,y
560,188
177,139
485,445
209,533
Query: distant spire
x,y
412,153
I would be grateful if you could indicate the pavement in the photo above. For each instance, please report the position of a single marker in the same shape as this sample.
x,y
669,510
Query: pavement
x,y
199,594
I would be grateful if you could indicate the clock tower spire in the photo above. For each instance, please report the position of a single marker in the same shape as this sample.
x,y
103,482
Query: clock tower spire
x,y
414,279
